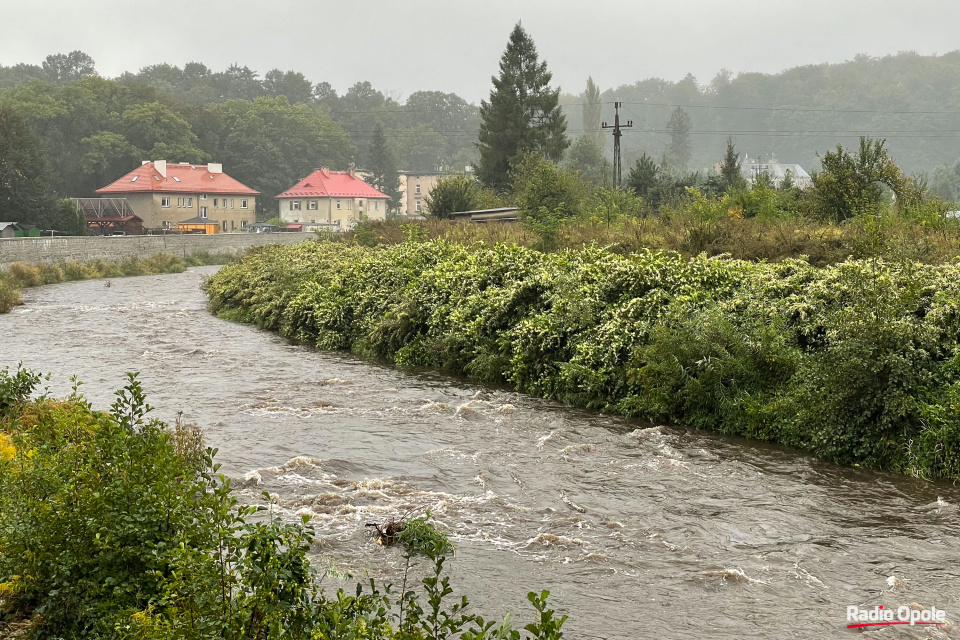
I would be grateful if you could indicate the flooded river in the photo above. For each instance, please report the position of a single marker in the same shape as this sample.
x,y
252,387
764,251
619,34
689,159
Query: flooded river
x,y
637,531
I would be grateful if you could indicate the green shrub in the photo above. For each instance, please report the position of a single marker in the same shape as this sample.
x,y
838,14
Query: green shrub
x,y
114,526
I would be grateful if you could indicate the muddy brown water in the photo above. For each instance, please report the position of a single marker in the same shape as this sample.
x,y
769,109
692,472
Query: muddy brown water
x,y
638,532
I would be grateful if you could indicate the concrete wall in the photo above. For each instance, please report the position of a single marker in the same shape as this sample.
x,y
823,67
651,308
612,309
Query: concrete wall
x,y
82,249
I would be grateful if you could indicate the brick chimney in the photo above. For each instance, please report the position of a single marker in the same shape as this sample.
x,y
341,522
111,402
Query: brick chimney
x,y
325,171
215,167
161,167
353,174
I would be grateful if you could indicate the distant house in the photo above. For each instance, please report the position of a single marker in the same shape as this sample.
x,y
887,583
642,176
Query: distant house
x,y
415,186
10,229
777,172
332,197
164,194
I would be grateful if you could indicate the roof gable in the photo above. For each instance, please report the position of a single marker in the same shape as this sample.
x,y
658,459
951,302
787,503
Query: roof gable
x,y
179,178
324,183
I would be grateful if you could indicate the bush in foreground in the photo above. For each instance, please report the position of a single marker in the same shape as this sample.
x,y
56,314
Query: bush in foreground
x,y
113,525
857,363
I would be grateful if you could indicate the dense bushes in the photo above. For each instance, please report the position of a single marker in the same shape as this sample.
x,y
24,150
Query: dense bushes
x,y
114,526
857,363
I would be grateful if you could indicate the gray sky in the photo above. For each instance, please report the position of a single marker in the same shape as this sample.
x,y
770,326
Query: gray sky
x,y
408,45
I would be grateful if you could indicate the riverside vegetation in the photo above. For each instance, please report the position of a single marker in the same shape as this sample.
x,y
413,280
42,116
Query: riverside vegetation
x,y
114,525
21,275
856,362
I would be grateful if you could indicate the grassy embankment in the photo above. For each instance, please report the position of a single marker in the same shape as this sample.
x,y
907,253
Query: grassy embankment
x,y
755,239
113,525
856,362
21,275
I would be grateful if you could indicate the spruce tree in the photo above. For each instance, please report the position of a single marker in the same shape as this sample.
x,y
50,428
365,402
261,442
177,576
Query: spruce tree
x,y
383,166
523,114
730,168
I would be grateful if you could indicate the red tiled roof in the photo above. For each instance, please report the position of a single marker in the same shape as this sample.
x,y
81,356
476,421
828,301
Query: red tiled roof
x,y
324,183
181,178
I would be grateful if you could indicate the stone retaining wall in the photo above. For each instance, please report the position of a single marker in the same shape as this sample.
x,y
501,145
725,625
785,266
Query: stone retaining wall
x,y
116,248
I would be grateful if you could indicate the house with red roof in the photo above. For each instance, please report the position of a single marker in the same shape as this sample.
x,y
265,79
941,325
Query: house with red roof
x,y
332,197
164,194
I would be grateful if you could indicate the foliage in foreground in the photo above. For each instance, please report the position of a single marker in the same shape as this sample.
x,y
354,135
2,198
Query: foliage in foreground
x,y
21,275
113,525
857,363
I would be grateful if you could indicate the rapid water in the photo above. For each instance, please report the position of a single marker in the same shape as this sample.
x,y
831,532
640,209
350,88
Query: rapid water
x,y
638,531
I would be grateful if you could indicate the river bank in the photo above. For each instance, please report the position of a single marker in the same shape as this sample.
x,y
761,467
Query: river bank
x,y
668,511
855,363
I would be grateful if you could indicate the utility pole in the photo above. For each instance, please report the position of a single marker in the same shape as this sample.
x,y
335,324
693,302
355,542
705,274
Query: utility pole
x,y
617,169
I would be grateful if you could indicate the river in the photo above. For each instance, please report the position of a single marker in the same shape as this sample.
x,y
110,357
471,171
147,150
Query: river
x,y
637,531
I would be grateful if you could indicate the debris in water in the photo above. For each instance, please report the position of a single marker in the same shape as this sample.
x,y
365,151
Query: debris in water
x,y
734,575
895,583
543,440
481,480
570,503
507,408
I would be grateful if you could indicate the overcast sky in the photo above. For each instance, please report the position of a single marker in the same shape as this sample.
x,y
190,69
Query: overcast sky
x,y
405,46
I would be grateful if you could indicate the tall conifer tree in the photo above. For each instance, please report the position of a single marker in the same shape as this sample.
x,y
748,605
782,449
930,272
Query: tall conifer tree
x,y
523,114
383,166
677,155
591,113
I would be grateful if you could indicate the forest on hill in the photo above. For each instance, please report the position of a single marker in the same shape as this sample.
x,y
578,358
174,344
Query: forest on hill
x,y
910,100
270,130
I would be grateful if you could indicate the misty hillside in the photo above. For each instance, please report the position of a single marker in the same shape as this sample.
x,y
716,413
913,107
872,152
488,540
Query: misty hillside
x,y
913,101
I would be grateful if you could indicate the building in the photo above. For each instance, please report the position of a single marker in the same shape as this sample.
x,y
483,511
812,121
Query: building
x,y
414,188
10,230
333,198
164,194
115,225
777,171
200,225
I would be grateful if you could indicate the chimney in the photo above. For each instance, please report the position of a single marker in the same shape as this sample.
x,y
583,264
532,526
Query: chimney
x,y
353,174
325,171
215,167
161,167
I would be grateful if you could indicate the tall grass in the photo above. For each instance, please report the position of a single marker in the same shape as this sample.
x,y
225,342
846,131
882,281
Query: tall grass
x,y
689,234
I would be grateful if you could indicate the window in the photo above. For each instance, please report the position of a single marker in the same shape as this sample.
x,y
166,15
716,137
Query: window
x,y
294,205
232,226
190,203
313,205
203,212
203,196
338,205
224,225
231,203
350,204
376,205
243,205
134,178
180,203
418,190
166,224
165,203
360,204
215,203
176,178
418,207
